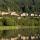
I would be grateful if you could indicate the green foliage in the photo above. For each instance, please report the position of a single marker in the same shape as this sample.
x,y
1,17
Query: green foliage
x,y
24,21
1,22
8,21
29,21
14,5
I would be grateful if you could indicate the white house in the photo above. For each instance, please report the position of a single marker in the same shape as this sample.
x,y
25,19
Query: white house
x,y
32,37
32,14
5,13
23,14
14,13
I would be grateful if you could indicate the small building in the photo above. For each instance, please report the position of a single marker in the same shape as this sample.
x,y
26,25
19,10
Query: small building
x,y
23,14
14,14
32,14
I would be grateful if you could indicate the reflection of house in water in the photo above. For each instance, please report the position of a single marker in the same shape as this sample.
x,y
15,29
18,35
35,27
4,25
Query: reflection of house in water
x,y
22,38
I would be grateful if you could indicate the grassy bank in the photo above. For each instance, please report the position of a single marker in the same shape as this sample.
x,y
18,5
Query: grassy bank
x,y
13,23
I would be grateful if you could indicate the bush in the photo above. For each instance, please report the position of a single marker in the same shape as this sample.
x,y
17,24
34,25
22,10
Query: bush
x,y
9,21
1,22
29,21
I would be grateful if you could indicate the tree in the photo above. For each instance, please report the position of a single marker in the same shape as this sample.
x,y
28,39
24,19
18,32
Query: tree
x,y
33,2
4,22
4,33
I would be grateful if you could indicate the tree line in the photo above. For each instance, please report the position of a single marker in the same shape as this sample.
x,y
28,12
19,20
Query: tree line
x,y
20,5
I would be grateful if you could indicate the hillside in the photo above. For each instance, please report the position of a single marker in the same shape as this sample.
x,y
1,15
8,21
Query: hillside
x,y
16,4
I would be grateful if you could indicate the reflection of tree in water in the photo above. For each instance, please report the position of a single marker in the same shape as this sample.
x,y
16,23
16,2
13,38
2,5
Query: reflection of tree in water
x,y
4,33
30,36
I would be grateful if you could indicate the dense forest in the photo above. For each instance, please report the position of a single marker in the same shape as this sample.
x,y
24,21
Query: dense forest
x,y
30,5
